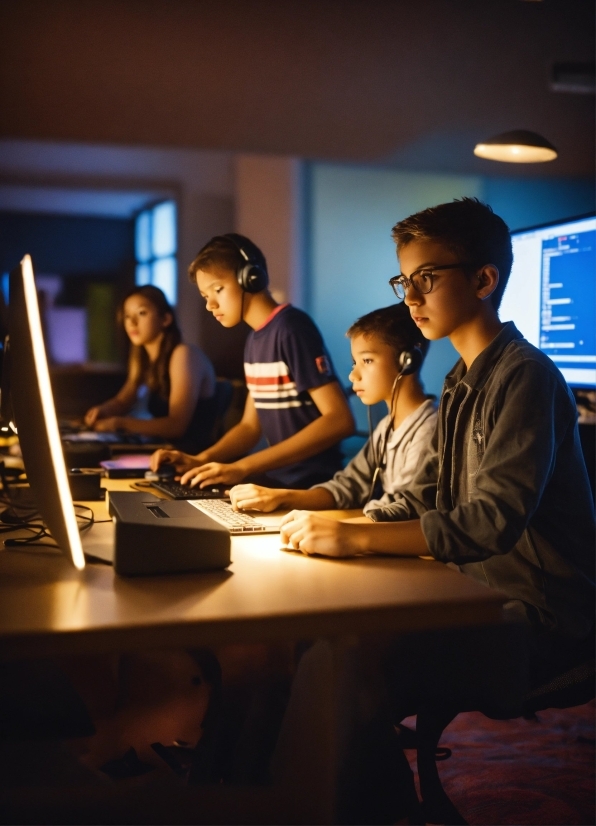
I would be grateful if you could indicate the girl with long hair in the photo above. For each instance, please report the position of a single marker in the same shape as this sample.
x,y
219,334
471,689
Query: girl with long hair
x,y
179,377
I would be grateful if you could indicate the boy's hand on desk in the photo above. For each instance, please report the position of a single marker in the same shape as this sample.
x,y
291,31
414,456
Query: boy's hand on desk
x,y
256,497
313,534
214,473
182,461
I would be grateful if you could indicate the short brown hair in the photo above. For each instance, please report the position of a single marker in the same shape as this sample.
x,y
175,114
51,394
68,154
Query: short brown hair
x,y
393,325
223,252
470,229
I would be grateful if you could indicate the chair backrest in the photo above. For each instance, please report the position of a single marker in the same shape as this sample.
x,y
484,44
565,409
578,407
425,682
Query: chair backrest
x,y
571,688
235,409
224,392
208,421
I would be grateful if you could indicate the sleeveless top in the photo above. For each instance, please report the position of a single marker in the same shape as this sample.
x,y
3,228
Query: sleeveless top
x,y
199,433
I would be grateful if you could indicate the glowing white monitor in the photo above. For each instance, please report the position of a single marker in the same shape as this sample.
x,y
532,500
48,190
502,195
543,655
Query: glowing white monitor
x,y
551,294
35,414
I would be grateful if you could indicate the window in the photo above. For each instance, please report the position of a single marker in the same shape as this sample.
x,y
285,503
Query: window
x,y
156,247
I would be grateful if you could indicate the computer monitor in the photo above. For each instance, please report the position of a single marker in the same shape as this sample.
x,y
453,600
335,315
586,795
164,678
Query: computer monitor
x,y
35,414
551,294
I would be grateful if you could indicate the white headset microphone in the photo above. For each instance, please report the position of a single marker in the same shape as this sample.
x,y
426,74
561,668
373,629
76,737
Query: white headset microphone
x,y
409,362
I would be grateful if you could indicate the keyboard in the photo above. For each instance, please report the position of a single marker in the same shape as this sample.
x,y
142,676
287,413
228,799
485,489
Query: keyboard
x,y
177,491
239,524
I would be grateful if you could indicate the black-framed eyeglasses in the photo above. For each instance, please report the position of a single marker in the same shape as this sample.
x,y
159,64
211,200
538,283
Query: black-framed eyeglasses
x,y
423,279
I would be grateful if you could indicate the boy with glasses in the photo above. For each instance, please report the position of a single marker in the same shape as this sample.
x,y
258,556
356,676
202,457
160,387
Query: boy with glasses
x,y
502,491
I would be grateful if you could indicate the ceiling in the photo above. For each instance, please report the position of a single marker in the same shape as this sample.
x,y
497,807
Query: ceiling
x,y
407,83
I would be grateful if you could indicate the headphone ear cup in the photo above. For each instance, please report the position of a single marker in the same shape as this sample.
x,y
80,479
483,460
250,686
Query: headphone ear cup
x,y
410,361
241,275
252,278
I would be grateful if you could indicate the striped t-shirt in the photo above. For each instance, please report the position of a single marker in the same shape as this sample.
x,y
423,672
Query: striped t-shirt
x,y
283,360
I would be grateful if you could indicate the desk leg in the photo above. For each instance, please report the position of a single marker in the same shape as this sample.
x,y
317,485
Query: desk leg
x,y
324,709
336,755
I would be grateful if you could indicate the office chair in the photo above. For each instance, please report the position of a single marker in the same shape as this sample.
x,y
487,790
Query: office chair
x,y
572,687
235,409
224,392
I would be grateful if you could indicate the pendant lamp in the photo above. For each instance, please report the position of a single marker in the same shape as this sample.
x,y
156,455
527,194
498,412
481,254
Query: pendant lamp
x,y
518,146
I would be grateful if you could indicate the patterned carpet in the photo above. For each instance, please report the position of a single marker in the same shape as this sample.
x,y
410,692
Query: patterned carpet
x,y
521,772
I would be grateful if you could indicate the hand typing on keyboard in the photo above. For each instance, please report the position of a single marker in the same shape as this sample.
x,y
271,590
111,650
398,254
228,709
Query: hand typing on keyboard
x,y
257,497
313,534
181,462
214,473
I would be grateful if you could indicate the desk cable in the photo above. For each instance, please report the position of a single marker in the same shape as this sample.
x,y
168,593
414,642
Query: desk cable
x,y
24,515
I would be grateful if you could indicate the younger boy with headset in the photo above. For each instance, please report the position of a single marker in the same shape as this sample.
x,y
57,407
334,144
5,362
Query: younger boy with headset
x,y
294,401
388,351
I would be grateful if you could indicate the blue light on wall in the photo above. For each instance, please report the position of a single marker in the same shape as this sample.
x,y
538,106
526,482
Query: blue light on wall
x,y
155,248
351,255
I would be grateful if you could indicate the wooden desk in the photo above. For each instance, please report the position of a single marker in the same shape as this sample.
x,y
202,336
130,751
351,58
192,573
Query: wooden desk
x,y
48,608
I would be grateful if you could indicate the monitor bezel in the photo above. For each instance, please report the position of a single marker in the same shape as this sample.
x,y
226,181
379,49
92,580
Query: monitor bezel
x,y
553,223
35,415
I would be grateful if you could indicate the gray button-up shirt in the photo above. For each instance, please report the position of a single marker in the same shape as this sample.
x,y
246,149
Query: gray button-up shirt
x,y
397,453
503,490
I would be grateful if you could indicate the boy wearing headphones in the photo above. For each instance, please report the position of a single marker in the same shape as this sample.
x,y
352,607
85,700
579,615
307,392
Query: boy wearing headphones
x,y
388,351
294,401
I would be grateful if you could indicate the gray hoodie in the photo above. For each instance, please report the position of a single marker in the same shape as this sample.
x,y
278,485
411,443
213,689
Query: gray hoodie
x,y
350,487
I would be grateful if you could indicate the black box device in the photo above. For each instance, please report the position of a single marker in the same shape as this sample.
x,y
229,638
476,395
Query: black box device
x,y
159,536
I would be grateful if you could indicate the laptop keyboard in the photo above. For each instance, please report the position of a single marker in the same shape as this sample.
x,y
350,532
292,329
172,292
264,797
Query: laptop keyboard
x,y
237,523
177,491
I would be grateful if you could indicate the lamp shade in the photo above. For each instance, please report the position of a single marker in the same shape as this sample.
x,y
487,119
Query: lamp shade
x,y
518,146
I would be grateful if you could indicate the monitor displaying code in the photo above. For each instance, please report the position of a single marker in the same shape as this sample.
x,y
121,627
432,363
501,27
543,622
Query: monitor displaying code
x,y
551,295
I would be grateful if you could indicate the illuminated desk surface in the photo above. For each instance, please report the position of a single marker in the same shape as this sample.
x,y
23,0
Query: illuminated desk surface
x,y
47,607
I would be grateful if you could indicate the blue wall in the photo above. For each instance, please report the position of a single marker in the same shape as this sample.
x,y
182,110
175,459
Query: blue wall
x,y
351,255
524,203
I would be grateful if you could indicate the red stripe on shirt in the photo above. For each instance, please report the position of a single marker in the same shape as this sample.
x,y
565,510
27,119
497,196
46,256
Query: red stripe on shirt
x,y
277,310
